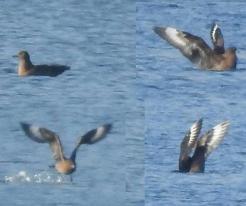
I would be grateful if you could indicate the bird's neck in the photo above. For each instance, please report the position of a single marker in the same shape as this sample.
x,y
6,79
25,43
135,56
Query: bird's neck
x,y
24,66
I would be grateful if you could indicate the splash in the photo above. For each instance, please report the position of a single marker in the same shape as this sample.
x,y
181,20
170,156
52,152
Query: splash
x,y
42,177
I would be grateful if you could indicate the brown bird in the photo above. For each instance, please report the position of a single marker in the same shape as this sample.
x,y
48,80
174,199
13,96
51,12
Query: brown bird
x,y
63,164
202,146
26,68
198,51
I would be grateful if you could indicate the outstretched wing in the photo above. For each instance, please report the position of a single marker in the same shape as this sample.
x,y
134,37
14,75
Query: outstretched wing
x,y
214,137
190,140
217,39
91,137
172,36
95,135
192,47
43,135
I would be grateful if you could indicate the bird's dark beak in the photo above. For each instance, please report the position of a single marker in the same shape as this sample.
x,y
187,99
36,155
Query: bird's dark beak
x,y
15,56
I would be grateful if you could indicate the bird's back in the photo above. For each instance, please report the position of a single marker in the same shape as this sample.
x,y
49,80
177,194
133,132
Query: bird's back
x,y
48,70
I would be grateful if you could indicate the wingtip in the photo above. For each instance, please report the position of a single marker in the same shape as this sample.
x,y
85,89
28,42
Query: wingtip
x,y
226,123
158,30
155,28
24,125
108,127
198,123
200,120
214,22
26,128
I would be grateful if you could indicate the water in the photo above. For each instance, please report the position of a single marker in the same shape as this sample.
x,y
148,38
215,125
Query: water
x,y
95,38
135,80
176,93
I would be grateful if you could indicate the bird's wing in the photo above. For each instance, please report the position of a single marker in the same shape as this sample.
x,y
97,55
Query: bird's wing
x,y
43,135
191,46
95,135
91,137
214,137
190,140
217,39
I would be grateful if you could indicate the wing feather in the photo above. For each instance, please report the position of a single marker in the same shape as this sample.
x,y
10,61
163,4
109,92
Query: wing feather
x,y
212,139
43,135
190,140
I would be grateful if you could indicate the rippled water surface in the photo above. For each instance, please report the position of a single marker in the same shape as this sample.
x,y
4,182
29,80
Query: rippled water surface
x,y
95,38
176,94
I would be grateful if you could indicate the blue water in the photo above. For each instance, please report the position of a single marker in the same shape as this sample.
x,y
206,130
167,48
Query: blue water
x,y
176,93
145,87
95,38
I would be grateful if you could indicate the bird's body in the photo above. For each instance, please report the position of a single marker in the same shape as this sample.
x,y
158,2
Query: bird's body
x,y
26,68
66,166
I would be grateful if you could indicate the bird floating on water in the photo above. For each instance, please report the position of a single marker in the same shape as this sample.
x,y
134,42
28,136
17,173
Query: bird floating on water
x,y
26,68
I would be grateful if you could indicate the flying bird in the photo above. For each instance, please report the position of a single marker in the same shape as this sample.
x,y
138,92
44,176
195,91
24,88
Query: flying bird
x,y
63,164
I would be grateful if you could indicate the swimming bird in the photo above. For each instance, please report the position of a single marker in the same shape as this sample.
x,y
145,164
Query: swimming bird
x,y
63,164
26,68
198,51
202,146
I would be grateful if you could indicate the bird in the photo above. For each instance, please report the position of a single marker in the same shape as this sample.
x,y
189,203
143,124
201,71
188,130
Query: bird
x,y
26,68
197,50
201,147
63,164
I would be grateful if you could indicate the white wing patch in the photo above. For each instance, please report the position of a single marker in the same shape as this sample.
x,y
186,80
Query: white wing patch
x,y
219,132
99,133
214,31
173,35
35,134
35,131
194,132
190,140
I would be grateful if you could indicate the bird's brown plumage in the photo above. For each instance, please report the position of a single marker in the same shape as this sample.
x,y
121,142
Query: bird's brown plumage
x,y
26,68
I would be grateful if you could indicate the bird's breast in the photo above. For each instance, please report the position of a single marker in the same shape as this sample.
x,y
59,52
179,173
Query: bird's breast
x,y
65,166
